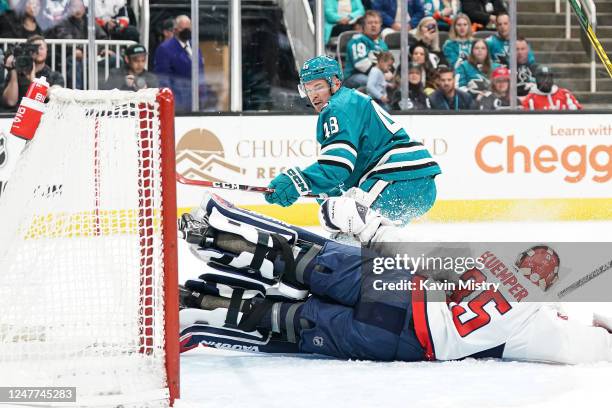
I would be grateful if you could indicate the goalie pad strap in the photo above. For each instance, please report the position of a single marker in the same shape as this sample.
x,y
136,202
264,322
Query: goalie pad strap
x,y
251,319
234,307
261,249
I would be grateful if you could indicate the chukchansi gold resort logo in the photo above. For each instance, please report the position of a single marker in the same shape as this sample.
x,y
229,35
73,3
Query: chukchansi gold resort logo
x,y
200,155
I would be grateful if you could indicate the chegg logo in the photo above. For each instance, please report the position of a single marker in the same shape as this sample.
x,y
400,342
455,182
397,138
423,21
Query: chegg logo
x,y
496,154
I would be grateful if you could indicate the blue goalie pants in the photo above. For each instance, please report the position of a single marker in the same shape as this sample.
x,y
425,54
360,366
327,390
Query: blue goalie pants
x,y
349,321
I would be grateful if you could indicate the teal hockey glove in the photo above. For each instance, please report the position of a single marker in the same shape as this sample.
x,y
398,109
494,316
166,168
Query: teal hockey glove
x,y
288,187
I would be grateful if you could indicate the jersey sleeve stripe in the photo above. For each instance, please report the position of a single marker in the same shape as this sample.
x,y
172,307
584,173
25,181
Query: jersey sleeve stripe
x,y
400,166
336,161
340,145
400,148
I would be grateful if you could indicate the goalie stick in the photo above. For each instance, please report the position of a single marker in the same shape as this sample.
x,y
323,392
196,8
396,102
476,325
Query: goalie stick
x,y
585,279
230,186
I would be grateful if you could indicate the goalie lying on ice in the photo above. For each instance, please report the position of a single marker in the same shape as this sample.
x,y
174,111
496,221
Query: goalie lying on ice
x,y
271,287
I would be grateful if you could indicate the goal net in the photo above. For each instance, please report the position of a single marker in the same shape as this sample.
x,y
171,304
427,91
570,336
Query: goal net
x,y
88,285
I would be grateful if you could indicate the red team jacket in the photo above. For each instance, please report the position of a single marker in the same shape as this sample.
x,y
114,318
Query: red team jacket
x,y
557,99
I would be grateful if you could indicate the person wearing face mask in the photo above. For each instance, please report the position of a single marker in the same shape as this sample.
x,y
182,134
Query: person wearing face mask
x,y
172,65
547,95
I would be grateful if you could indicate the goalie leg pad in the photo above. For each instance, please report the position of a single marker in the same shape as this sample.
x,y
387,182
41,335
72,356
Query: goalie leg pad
x,y
255,324
224,216
234,339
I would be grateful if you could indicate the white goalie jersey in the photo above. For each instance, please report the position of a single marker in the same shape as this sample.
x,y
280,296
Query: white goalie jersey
x,y
508,317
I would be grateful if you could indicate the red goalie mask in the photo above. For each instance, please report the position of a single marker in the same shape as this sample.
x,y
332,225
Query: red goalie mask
x,y
539,264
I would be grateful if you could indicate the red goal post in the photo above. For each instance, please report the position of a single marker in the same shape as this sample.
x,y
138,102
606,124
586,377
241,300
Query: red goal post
x,y
165,99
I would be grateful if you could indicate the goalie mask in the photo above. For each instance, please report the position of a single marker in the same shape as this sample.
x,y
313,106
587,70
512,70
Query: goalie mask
x,y
539,264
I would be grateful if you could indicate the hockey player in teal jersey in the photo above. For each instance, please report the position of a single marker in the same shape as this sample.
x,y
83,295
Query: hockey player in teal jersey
x,y
363,150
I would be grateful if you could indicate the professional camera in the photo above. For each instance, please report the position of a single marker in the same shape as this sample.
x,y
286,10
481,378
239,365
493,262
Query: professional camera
x,y
24,57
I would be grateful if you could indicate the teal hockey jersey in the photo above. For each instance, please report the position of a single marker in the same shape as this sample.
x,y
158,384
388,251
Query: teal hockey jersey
x,y
359,52
360,141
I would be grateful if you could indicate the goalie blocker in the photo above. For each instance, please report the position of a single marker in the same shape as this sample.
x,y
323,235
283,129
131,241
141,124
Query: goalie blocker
x,y
341,317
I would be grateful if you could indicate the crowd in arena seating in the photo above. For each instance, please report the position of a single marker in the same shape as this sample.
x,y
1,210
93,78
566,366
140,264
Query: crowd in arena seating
x,y
40,20
468,70
463,40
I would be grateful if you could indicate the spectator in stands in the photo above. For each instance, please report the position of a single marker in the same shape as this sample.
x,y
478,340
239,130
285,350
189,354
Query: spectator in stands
x,y
525,70
443,11
419,55
22,22
340,15
473,74
52,13
547,95
426,33
359,24
499,43
499,95
417,99
390,13
483,13
132,76
19,78
167,30
173,65
75,26
459,45
117,19
447,97
377,83
361,49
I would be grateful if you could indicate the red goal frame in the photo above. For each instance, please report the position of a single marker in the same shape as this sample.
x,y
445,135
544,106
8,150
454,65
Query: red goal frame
x,y
165,99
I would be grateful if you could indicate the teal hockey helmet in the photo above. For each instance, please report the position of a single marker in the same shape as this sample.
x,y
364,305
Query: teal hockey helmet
x,y
321,67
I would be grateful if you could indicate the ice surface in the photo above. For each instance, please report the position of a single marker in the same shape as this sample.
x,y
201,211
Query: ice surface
x,y
215,378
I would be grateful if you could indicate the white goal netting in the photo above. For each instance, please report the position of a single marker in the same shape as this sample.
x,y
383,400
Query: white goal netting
x,y
81,241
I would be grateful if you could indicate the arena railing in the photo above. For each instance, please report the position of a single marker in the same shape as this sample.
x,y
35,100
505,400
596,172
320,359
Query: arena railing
x,y
63,55
591,11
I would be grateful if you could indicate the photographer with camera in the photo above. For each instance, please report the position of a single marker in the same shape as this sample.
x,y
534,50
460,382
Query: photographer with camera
x,y
132,76
24,63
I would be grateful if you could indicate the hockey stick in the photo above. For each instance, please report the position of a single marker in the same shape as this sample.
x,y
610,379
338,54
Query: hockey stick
x,y
229,186
588,29
585,279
